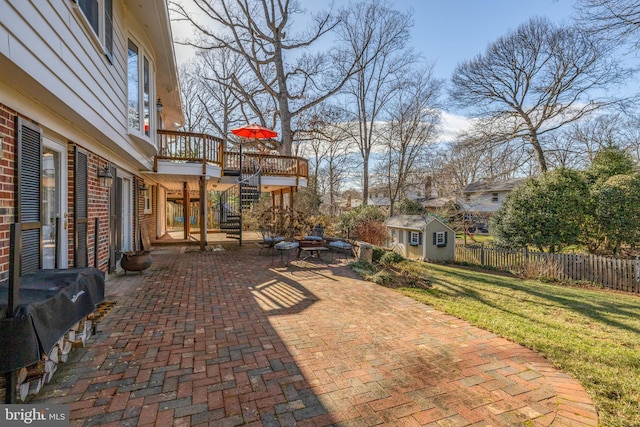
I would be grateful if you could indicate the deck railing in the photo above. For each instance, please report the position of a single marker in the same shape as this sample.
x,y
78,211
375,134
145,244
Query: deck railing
x,y
197,147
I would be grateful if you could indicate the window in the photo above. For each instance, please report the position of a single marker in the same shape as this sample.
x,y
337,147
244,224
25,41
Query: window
x,y
467,197
145,95
414,238
440,238
494,197
99,17
147,201
139,81
133,76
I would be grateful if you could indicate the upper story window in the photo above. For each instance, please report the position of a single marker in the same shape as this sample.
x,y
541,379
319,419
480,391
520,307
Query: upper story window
x,y
99,16
139,76
494,197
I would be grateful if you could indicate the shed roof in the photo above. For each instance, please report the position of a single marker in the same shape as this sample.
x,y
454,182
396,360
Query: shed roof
x,y
412,222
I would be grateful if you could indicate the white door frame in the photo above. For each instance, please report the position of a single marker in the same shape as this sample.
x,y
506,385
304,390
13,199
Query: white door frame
x,y
127,210
61,149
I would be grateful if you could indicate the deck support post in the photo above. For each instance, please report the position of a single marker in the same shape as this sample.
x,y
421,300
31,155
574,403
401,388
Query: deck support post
x,y
186,211
203,213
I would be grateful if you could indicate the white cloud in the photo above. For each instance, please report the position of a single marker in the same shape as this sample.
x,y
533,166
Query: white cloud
x,y
452,125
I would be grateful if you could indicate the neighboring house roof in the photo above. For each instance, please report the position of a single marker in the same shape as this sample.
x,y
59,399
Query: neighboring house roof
x,y
412,222
493,187
480,205
436,203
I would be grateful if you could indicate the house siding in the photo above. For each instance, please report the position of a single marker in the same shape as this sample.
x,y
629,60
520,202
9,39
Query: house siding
x,y
435,253
62,65
413,252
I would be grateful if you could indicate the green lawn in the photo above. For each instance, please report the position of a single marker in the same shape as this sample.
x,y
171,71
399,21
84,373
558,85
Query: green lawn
x,y
479,238
593,335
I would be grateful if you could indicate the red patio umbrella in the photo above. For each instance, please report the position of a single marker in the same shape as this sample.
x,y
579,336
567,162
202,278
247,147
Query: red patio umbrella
x,y
255,131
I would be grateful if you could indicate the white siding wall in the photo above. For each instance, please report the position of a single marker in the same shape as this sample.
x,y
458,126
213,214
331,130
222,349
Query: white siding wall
x,y
60,64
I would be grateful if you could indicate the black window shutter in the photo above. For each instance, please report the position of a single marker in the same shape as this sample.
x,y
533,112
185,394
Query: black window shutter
x,y
446,235
435,238
81,228
28,180
420,238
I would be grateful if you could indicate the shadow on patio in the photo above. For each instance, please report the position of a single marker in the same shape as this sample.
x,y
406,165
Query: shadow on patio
x,y
226,338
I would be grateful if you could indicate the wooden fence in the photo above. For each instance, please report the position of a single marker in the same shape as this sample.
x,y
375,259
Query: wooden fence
x,y
612,273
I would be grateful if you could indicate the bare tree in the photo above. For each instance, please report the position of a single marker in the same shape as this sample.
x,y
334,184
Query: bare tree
x,y
615,20
194,112
468,160
330,149
261,32
412,127
534,81
381,32
224,106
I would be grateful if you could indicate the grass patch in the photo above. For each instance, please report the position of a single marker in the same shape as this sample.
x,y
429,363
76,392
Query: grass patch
x,y
592,335
479,238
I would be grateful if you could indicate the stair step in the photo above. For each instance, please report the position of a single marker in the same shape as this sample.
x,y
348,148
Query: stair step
x,y
229,226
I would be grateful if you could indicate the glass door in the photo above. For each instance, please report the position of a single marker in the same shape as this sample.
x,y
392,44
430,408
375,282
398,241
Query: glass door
x,y
54,205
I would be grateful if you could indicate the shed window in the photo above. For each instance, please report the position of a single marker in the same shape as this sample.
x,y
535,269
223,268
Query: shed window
x,y
414,238
494,197
440,238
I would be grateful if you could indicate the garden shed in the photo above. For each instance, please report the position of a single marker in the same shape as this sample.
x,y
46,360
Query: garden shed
x,y
421,237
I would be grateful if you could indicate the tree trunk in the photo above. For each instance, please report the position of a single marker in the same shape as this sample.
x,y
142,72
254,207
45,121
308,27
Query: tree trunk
x,y
283,101
542,163
365,180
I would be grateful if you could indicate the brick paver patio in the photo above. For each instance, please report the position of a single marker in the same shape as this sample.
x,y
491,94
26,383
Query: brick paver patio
x,y
225,338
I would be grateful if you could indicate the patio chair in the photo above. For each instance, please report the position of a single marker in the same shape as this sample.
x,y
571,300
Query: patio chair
x,y
283,247
341,247
268,240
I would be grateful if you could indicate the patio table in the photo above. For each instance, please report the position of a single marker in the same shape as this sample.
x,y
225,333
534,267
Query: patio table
x,y
311,250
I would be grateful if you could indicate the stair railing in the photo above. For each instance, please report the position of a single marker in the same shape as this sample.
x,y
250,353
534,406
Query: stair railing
x,y
239,197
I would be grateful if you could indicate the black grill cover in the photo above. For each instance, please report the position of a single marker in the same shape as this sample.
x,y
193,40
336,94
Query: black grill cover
x,y
51,302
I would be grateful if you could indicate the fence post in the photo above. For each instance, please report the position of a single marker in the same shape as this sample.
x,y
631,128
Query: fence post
x,y
636,277
482,253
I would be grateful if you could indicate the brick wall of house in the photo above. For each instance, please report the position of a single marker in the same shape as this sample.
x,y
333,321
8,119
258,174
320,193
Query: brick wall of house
x,y
98,200
7,186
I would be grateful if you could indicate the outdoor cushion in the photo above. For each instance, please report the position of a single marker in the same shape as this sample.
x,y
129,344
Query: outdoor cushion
x,y
340,245
273,239
314,238
286,245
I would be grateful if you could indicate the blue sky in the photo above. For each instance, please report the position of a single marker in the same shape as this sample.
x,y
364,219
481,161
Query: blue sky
x,y
446,32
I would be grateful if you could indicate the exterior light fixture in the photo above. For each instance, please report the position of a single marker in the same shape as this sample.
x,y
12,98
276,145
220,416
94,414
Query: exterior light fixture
x,y
159,106
105,177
